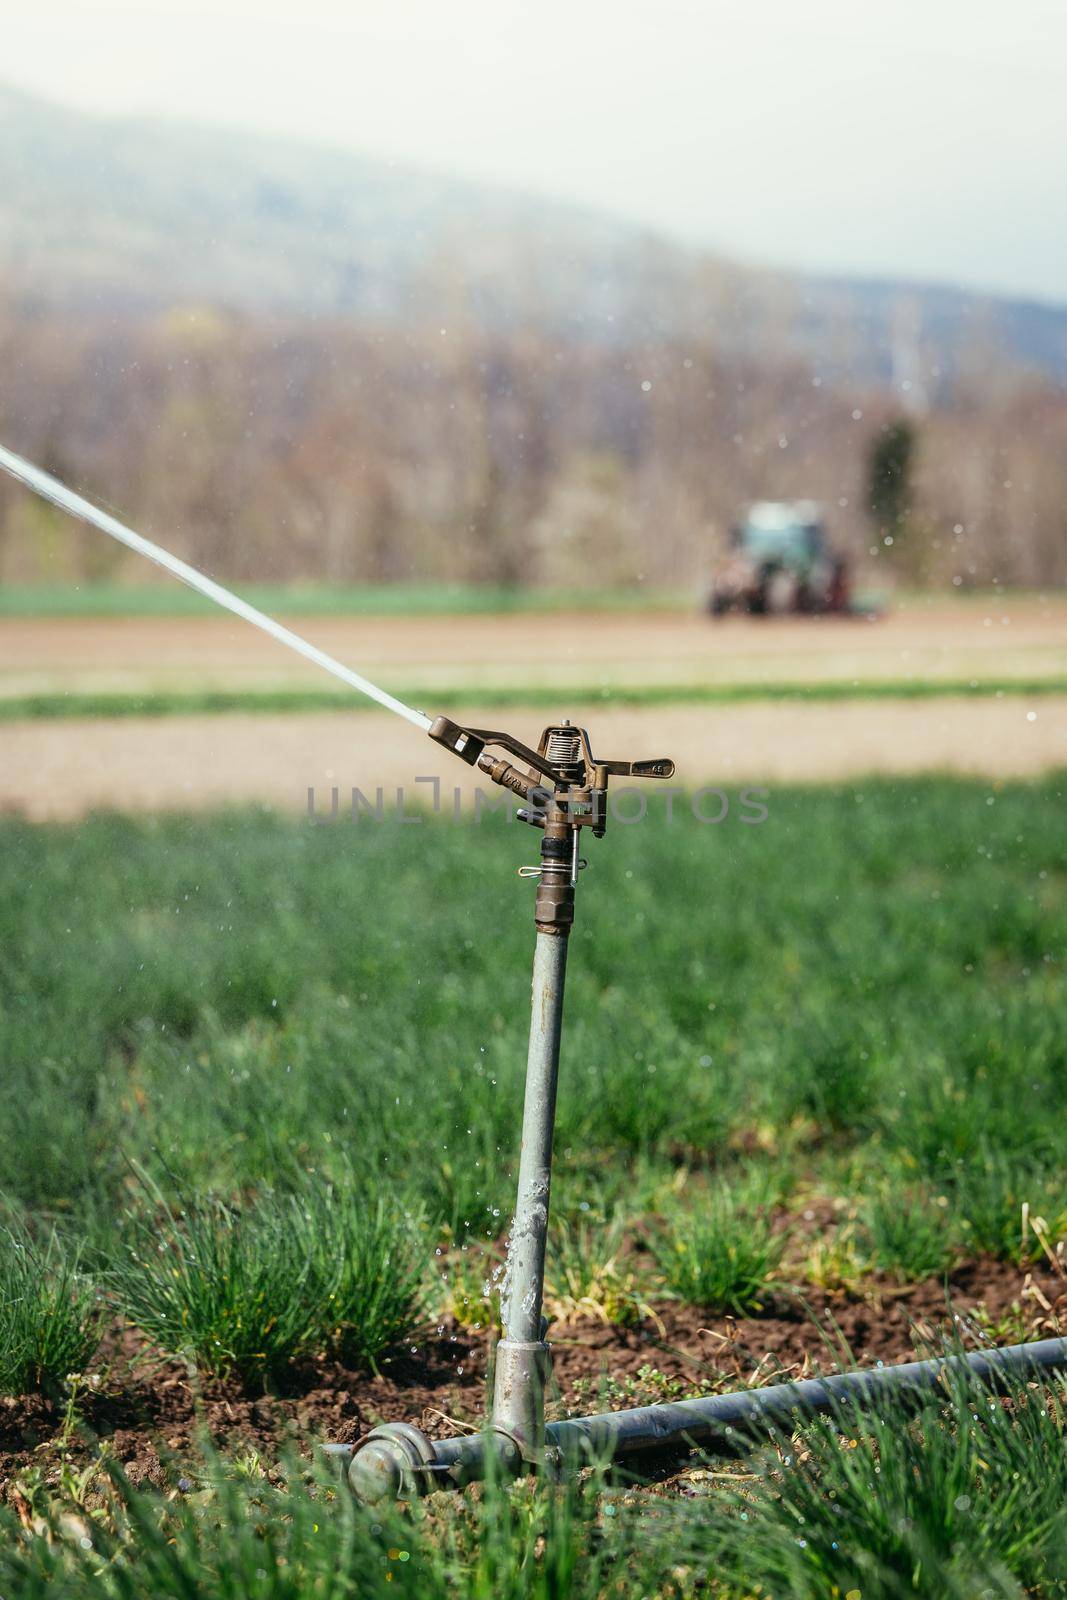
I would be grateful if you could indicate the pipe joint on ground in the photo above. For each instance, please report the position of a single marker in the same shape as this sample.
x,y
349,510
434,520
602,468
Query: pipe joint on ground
x,y
396,1461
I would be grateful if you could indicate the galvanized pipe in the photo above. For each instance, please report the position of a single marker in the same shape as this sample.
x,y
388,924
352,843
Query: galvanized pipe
x,y
522,1356
397,1459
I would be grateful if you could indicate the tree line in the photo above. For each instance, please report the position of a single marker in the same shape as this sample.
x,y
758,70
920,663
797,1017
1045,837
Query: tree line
x,y
344,452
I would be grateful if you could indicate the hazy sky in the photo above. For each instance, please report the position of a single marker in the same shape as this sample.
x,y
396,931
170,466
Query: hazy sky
x,y
925,138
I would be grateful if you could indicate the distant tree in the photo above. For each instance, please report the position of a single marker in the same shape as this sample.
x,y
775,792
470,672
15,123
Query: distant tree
x,y
889,465
364,452
890,462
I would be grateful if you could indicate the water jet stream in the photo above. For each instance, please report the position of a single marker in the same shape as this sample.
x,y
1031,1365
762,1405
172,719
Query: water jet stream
x,y
50,488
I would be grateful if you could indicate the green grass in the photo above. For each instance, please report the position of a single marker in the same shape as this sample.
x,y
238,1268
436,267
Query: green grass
x,y
964,1496
311,1041
720,1254
369,1254
248,1290
174,599
230,1000
910,1235
989,1189
49,1316
229,1290
587,1275
298,1536
200,702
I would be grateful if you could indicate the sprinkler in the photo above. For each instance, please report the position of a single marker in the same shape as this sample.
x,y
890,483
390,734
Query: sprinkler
x,y
564,789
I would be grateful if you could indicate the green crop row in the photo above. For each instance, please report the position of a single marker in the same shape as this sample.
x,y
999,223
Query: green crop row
x,y
261,702
961,1496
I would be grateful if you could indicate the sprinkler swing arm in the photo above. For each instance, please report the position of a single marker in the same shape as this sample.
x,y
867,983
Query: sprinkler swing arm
x,y
562,767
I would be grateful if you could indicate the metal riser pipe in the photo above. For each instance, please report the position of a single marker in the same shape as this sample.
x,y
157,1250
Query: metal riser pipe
x,y
397,1459
522,1357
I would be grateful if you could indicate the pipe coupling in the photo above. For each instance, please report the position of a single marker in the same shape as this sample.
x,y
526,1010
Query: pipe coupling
x,y
391,1463
522,1374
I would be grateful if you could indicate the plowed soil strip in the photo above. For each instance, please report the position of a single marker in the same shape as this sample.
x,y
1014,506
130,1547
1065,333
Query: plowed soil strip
x,y
61,770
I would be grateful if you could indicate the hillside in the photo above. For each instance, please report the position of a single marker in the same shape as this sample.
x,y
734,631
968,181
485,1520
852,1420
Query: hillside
x,y
132,216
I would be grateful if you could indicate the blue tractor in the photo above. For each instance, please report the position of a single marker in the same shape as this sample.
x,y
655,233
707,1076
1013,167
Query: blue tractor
x,y
780,564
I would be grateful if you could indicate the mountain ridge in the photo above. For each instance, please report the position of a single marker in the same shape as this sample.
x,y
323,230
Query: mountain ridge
x,y
133,215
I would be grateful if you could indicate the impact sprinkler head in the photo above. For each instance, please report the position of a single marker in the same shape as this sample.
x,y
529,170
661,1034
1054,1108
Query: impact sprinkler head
x,y
565,788
562,770
563,755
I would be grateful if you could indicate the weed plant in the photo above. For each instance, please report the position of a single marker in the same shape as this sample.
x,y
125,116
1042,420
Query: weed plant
x,y
908,1235
368,1269
230,1289
49,1316
965,1497
720,1255
246,1290
988,1197
587,1274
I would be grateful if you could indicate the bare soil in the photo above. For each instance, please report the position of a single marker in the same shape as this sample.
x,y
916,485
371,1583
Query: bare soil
x,y
64,769
151,1413
996,639
61,770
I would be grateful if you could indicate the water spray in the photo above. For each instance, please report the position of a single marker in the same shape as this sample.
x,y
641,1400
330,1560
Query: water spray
x,y
564,790
50,488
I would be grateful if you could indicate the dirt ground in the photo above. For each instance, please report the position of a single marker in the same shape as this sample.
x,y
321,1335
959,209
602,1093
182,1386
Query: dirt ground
x,y
57,769
150,1413
1010,638
61,770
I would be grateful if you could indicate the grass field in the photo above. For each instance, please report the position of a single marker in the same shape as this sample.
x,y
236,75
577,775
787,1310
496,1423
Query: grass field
x,y
167,598
170,599
259,1109
211,994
